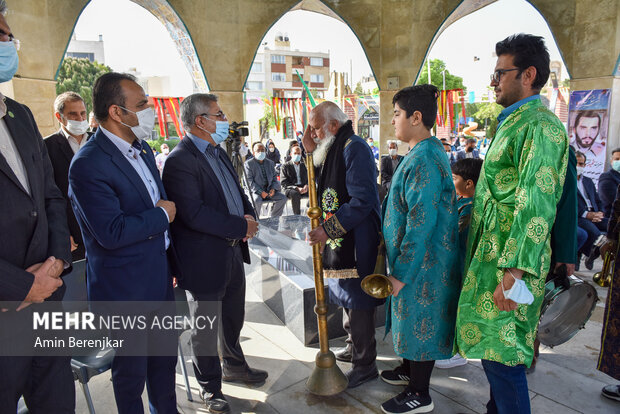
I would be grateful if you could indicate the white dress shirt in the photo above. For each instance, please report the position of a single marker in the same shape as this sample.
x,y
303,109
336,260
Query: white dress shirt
x,y
75,146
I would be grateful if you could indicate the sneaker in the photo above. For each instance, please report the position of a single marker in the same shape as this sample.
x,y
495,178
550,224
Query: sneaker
x,y
612,392
456,361
408,402
397,376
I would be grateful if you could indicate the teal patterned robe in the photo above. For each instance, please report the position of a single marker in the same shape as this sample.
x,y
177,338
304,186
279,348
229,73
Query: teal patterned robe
x,y
420,227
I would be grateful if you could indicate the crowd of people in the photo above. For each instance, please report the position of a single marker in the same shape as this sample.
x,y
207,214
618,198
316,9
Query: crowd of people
x,y
469,246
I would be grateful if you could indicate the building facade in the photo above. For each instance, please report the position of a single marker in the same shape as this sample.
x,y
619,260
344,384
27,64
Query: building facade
x,y
86,49
274,72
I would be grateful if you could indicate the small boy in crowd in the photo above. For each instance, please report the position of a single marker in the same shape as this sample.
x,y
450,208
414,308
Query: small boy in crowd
x,y
465,173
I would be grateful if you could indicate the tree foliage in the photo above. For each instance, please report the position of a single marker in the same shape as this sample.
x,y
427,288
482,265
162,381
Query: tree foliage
x,y
79,75
489,111
437,66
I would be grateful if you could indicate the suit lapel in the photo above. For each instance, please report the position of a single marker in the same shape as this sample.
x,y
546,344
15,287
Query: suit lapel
x,y
202,161
4,167
65,147
123,165
27,154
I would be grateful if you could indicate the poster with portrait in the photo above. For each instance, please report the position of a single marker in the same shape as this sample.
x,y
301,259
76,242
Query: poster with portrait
x,y
588,123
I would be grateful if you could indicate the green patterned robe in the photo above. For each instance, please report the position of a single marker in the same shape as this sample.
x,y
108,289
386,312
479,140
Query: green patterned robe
x,y
514,209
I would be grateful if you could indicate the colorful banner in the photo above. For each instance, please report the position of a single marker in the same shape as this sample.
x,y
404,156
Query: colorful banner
x,y
588,125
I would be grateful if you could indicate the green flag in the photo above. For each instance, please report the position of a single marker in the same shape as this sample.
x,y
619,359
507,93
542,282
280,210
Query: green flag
x,y
306,88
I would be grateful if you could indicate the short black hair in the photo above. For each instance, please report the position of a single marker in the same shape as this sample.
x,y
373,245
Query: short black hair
x,y
107,91
528,50
256,143
587,114
581,154
614,151
421,98
468,169
472,140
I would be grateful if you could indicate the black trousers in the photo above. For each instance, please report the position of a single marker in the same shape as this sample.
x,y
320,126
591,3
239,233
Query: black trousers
x,y
46,382
419,375
360,327
207,367
295,196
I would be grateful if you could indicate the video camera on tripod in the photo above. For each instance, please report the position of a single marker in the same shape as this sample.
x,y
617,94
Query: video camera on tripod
x,y
236,130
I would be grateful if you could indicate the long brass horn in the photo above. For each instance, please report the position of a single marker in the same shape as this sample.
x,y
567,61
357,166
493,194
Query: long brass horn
x,y
377,284
603,278
326,378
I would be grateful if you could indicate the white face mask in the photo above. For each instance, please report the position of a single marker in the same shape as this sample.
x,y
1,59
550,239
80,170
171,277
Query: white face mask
x,y
76,127
579,171
146,122
519,292
392,151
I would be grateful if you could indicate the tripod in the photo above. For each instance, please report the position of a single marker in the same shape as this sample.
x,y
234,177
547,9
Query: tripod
x,y
235,158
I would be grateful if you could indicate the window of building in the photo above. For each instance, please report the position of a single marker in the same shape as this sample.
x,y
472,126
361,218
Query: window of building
x,y
278,77
82,55
316,61
317,78
254,86
298,60
278,59
257,67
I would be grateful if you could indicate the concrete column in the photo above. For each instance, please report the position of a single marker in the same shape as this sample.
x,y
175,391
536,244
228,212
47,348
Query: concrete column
x,y
612,83
38,95
386,130
232,104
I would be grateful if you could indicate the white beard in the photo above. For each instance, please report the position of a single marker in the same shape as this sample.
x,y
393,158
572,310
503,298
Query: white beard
x,y
320,153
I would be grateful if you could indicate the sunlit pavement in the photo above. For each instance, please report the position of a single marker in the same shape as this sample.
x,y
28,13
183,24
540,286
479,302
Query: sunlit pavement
x,y
565,381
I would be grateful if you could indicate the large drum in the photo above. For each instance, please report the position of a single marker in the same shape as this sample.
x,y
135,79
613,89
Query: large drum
x,y
566,309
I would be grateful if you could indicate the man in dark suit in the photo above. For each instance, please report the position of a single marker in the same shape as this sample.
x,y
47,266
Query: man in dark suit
x,y
34,251
608,183
120,204
388,166
295,179
469,150
215,220
263,181
70,111
590,217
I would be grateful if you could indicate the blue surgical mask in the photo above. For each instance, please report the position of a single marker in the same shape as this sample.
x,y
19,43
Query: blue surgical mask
x,y
221,131
8,61
616,165
260,155
519,292
296,157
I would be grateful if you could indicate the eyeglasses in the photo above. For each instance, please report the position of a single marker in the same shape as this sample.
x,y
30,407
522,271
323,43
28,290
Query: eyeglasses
x,y
220,115
497,75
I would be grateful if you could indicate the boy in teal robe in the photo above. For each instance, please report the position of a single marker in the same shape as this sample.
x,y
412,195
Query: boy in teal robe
x,y
420,226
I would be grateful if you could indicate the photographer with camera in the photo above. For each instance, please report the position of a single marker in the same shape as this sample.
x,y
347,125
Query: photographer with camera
x,y
214,221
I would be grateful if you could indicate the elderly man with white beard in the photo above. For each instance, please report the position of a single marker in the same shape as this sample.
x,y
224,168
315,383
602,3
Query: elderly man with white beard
x,y
349,234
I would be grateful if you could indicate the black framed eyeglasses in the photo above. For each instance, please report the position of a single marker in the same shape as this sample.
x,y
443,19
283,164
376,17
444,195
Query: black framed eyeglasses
x,y
497,75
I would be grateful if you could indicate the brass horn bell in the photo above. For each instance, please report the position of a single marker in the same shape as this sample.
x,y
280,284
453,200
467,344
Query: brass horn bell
x,y
377,284
603,278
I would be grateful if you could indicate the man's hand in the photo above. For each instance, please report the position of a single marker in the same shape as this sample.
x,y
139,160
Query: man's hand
x,y
170,208
272,192
264,195
499,299
44,283
397,285
595,216
74,246
570,267
318,235
303,190
307,140
252,227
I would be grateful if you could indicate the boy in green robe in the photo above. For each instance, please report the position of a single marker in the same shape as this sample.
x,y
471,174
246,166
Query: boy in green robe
x,y
514,209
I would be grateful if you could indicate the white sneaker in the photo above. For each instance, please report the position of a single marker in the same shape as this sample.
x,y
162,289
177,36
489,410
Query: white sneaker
x,y
456,361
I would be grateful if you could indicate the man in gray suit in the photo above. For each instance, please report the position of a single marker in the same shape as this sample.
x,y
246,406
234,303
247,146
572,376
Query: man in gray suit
x,y
263,181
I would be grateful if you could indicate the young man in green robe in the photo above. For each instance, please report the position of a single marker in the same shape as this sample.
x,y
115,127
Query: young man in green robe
x,y
420,227
514,209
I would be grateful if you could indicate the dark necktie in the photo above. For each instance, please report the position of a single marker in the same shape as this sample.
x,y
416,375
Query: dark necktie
x,y
137,145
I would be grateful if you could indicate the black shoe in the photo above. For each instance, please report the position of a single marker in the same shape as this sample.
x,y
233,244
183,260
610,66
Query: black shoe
x,y
408,402
359,375
344,354
589,262
612,392
215,402
397,376
579,256
243,374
